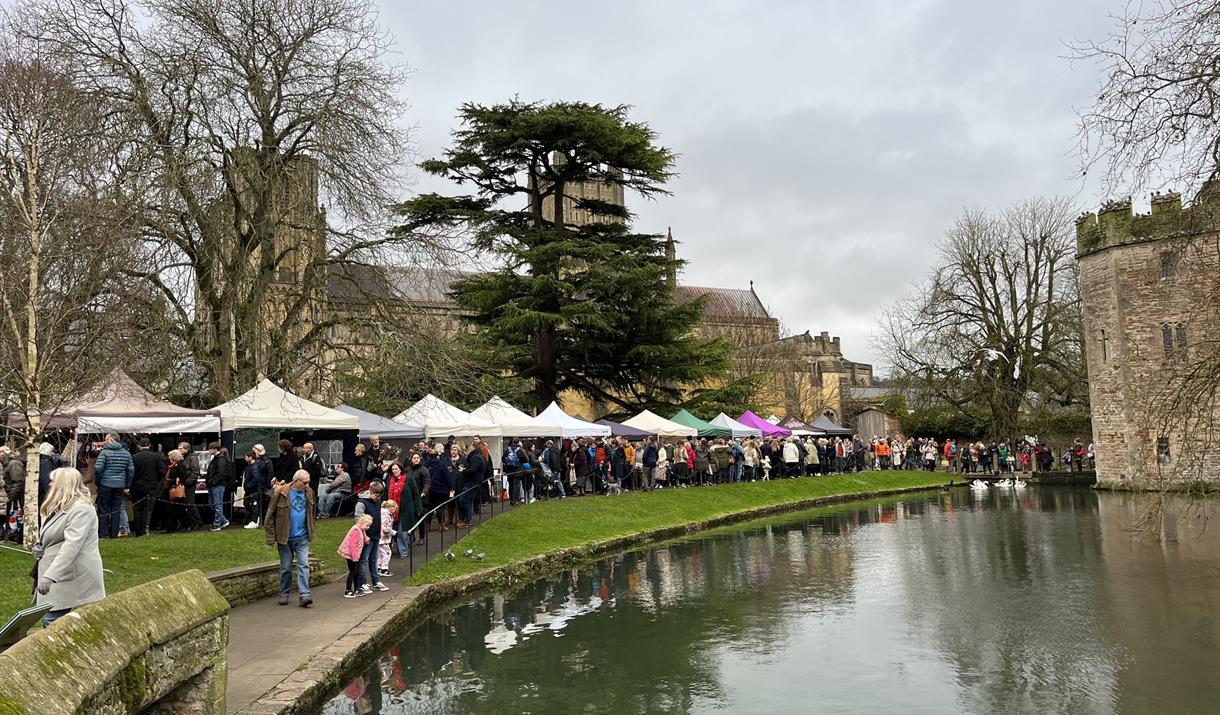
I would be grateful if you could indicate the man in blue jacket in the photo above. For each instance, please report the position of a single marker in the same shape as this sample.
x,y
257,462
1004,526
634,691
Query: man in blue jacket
x,y
112,472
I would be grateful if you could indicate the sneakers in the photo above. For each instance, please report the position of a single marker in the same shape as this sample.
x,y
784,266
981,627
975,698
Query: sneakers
x,y
365,588
384,573
381,586
216,528
251,525
225,525
305,602
283,600
349,594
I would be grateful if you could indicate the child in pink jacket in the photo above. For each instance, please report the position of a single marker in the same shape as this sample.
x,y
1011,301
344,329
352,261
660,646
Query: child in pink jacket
x,y
350,548
389,514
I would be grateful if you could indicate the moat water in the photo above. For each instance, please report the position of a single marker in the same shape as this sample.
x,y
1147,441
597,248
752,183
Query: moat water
x,y
1053,600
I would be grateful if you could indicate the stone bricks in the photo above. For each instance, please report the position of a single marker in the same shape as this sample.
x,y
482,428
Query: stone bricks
x,y
1149,298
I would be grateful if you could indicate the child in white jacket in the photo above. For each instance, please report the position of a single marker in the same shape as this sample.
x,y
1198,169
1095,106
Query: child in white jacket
x,y
389,512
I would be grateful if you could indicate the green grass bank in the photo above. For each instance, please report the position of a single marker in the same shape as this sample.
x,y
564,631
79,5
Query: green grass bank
x,y
135,561
555,525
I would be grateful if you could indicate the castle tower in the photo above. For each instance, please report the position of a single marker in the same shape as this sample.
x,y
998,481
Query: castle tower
x,y
1150,302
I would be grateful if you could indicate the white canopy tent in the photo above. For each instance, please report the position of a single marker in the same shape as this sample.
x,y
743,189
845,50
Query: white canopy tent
x,y
739,430
441,419
269,405
570,426
373,424
514,422
658,425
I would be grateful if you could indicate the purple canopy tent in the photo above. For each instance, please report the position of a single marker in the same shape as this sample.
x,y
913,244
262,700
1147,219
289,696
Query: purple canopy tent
x,y
750,419
619,430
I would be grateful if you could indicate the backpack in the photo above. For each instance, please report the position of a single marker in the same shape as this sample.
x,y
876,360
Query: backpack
x,y
512,458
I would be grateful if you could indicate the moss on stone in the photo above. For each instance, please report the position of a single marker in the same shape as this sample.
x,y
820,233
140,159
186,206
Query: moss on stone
x,y
11,707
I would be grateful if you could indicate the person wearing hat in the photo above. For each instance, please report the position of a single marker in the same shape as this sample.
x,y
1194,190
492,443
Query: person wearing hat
x,y
257,479
150,468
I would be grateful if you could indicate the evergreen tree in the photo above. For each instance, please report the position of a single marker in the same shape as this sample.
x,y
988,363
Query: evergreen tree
x,y
585,306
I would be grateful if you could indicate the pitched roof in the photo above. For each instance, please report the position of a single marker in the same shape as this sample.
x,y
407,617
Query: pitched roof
x,y
726,303
418,284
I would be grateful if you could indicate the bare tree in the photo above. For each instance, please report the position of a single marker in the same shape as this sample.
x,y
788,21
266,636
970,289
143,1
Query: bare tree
x,y
238,116
1153,120
998,318
62,242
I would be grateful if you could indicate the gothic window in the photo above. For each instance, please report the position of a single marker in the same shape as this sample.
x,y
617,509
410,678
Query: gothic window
x,y
1167,338
1105,351
1180,331
1169,264
1162,450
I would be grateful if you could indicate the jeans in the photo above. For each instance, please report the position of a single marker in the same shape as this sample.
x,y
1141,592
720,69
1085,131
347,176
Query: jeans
x,y
466,505
369,558
295,550
217,495
402,540
330,500
650,477
51,616
109,504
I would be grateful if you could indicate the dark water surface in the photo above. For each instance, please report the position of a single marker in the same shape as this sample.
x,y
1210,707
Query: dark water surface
x,y
1039,601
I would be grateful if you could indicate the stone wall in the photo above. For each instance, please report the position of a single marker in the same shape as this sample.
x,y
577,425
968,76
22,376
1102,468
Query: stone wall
x,y
163,642
247,584
1139,276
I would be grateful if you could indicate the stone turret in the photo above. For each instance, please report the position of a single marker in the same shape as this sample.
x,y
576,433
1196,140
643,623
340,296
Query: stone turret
x,y
1115,224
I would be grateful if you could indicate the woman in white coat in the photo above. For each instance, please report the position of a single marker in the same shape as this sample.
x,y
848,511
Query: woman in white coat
x,y
69,564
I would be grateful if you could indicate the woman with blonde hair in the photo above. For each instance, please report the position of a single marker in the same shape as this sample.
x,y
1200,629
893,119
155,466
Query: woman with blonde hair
x,y
69,564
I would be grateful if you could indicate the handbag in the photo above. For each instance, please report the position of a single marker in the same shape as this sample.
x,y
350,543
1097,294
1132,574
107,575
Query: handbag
x,y
177,492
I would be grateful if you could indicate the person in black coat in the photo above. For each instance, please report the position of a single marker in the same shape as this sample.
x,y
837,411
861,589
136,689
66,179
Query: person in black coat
x,y
150,469
472,478
179,512
287,463
219,478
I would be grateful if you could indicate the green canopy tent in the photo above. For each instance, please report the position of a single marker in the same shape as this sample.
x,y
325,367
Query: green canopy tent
x,y
706,429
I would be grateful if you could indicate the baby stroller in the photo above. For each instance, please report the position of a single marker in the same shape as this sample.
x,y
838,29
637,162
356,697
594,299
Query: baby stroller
x,y
549,484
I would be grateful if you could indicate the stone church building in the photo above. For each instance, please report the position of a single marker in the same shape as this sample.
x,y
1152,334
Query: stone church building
x,y
1151,299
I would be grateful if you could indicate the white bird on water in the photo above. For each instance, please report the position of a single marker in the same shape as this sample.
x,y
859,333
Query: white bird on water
x,y
1017,483
1004,484
978,485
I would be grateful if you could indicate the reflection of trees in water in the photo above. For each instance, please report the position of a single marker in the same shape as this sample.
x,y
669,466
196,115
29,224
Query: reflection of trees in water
x,y
1008,599
669,612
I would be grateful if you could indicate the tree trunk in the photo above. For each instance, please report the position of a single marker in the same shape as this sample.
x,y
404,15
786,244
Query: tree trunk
x,y
33,379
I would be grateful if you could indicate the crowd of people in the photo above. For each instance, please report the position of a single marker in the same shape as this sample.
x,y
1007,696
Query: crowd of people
x,y
395,494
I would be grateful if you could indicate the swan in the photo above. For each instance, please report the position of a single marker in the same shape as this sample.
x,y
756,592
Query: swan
x,y
1017,483
1004,484
978,485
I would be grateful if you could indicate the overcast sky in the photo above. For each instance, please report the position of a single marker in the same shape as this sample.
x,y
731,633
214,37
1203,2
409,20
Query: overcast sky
x,y
825,146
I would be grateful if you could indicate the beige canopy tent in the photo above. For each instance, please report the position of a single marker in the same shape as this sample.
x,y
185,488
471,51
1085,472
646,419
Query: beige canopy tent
x,y
653,423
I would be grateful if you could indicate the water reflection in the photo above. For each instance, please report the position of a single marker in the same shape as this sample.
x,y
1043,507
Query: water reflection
x,y
1035,601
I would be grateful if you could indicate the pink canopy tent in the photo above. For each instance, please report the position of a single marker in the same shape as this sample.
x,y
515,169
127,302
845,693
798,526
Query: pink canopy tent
x,y
750,419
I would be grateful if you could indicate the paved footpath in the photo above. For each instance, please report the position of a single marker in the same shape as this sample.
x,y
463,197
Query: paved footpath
x,y
269,642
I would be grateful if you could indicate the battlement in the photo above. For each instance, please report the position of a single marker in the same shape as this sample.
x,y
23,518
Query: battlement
x,y
1115,224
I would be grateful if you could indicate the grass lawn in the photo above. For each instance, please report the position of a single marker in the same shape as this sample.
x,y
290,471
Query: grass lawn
x,y
134,561
557,524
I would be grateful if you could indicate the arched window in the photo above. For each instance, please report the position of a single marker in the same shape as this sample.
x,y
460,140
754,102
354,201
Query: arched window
x,y
1105,350
1167,338
1180,329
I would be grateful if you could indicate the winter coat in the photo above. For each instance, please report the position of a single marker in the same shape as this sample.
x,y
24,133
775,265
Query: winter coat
x,y
259,475
421,476
278,524
220,471
70,558
476,469
149,471
792,455
353,544
580,460
650,455
114,468
286,465
410,506
441,479
14,479
618,463
366,504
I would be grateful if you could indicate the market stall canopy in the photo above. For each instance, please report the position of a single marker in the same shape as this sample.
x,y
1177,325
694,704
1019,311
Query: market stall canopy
x,y
516,423
384,427
621,430
750,419
658,425
121,405
269,405
441,419
705,429
798,427
738,429
570,426
825,424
